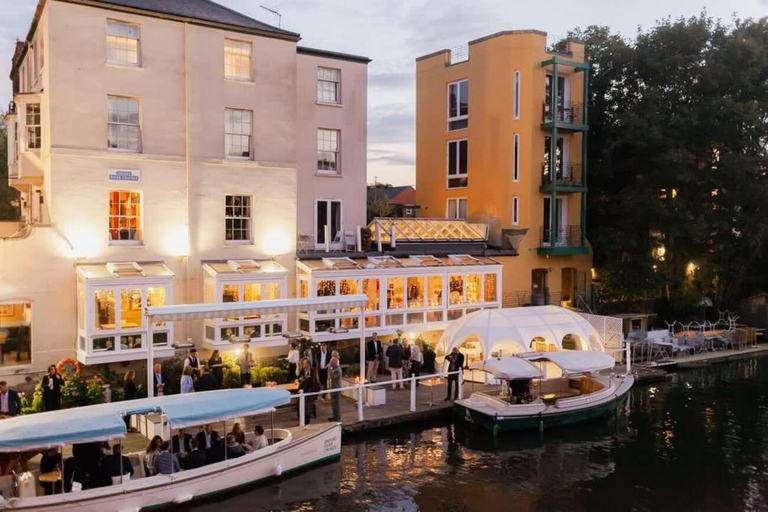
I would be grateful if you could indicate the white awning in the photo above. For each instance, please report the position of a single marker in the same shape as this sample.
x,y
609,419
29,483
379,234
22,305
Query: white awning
x,y
577,361
508,368
264,307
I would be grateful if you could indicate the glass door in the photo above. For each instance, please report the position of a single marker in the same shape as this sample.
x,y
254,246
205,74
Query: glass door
x,y
556,224
328,223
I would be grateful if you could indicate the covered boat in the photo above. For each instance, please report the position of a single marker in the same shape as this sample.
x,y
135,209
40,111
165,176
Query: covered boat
x,y
548,389
288,449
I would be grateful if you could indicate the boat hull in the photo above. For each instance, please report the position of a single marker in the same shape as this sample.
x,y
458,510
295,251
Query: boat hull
x,y
165,491
552,417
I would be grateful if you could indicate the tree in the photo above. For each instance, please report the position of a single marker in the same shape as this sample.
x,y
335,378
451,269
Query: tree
x,y
8,195
378,202
677,160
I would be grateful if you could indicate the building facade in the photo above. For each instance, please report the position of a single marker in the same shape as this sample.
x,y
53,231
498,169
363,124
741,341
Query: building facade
x,y
488,121
165,158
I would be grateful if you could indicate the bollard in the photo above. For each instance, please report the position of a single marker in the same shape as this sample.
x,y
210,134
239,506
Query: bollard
x,y
301,408
413,393
360,402
461,384
628,350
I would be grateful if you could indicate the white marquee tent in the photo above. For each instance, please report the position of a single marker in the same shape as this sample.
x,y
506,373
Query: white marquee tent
x,y
516,330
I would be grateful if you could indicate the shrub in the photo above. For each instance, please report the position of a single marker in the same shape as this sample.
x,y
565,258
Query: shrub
x,y
231,371
35,404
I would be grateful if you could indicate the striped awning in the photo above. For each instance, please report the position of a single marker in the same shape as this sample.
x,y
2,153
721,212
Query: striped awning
x,y
264,307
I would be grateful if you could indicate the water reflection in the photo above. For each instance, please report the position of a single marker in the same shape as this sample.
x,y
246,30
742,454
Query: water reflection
x,y
694,442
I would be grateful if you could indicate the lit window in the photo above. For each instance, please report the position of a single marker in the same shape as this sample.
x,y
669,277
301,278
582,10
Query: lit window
x,y
230,293
130,308
458,105
457,208
104,308
371,290
415,292
237,133
326,288
456,290
156,297
515,211
328,150
237,212
237,60
435,291
457,164
517,95
16,332
123,123
473,288
490,288
124,217
395,293
122,43
33,125
328,81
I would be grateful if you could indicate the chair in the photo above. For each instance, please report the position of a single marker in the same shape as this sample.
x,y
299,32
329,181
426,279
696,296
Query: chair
x,y
350,240
337,245
304,243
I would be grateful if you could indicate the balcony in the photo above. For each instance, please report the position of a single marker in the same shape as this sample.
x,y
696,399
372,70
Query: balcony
x,y
570,116
567,241
568,177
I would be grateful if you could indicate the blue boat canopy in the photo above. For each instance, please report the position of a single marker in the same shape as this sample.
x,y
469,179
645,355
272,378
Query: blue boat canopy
x,y
105,421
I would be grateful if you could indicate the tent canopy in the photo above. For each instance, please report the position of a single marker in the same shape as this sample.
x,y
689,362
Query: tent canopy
x,y
513,330
578,362
105,421
508,368
264,307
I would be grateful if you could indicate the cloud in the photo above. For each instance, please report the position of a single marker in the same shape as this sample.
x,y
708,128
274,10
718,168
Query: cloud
x,y
392,123
394,80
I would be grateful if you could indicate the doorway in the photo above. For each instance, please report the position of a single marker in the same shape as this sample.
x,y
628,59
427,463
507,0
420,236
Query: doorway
x,y
539,287
568,287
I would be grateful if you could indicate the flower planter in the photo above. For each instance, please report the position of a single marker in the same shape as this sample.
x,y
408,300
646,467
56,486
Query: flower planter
x,y
376,395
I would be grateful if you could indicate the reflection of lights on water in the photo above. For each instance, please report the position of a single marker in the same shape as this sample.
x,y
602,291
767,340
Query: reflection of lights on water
x,y
652,392
688,385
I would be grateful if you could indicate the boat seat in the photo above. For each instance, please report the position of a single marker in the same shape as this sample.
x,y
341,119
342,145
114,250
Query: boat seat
x,y
117,481
137,462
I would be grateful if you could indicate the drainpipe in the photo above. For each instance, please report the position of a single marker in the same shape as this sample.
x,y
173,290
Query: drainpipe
x,y
584,161
185,259
553,158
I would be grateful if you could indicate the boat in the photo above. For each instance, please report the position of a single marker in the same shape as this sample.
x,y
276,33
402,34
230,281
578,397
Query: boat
x,y
289,449
544,390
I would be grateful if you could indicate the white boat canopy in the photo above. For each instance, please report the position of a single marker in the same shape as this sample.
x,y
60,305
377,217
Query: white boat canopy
x,y
264,307
577,362
508,368
105,421
501,332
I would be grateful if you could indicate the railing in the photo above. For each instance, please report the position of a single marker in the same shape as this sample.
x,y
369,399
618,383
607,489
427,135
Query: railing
x,y
567,174
565,236
567,113
358,388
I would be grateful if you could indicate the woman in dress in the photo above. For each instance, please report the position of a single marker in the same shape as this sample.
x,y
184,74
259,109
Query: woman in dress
x,y
129,385
153,450
216,371
187,384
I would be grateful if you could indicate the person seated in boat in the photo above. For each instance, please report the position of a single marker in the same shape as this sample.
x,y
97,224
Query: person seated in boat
x,y
196,458
180,443
166,463
207,438
116,464
234,449
261,440
520,391
87,458
238,433
51,461
153,450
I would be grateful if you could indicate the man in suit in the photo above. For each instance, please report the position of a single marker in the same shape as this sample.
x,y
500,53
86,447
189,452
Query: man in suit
x,y
322,362
182,449
455,362
10,403
206,381
116,464
160,379
207,438
196,458
373,356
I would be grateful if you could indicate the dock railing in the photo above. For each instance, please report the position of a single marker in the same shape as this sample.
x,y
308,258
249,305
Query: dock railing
x,y
412,380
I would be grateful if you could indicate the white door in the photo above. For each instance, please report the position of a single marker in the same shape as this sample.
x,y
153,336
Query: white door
x,y
327,215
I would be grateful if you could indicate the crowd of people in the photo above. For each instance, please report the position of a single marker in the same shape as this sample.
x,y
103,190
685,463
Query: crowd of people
x,y
185,451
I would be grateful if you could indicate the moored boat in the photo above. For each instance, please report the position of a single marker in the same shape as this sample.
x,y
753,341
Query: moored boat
x,y
288,449
544,390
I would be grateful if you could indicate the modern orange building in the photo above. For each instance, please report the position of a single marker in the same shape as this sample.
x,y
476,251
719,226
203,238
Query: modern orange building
x,y
488,120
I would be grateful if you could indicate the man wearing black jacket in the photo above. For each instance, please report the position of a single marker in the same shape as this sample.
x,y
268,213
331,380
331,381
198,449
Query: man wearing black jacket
x,y
455,362
196,458
181,449
10,403
206,381
373,356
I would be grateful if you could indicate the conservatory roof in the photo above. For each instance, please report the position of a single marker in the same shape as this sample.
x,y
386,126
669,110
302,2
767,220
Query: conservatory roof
x,y
124,269
247,266
388,262
426,230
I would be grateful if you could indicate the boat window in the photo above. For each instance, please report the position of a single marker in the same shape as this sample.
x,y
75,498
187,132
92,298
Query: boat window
x,y
572,342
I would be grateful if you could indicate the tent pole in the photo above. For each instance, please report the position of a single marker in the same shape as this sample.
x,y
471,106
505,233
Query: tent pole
x,y
150,370
272,425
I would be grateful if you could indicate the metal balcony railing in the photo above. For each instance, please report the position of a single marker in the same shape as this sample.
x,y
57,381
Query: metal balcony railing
x,y
565,236
567,113
567,174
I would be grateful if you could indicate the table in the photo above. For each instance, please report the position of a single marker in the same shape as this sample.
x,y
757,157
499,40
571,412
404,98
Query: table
x,y
53,476
431,383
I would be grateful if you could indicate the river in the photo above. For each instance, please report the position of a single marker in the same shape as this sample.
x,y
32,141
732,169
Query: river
x,y
698,441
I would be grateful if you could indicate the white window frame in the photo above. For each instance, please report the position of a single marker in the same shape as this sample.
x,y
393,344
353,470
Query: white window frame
x,y
458,175
458,116
337,83
248,218
232,133
457,201
516,158
37,127
109,45
515,210
329,219
516,99
139,145
140,238
232,65
337,151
